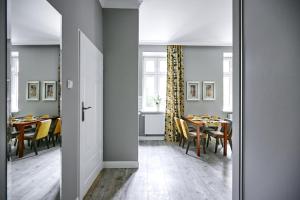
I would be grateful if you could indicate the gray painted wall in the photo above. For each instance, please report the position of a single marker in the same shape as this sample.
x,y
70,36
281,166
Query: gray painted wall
x,y
37,63
121,30
86,16
271,99
205,64
3,99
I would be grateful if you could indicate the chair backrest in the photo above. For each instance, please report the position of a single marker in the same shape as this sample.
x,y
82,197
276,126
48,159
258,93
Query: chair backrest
x,y
42,129
229,128
46,116
185,128
178,125
28,117
57,129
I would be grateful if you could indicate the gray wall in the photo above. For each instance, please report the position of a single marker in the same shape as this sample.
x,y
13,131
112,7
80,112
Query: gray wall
x,y
37,63
271,99
120,84
2,99
205,64
86,16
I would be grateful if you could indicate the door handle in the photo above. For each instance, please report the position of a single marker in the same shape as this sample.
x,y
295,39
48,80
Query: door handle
x,y
83,109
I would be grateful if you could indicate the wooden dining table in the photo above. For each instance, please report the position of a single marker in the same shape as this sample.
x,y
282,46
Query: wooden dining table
x,y
20,125
201,123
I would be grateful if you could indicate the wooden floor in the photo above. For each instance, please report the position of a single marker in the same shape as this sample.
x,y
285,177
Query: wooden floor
x,y
166,173
35,177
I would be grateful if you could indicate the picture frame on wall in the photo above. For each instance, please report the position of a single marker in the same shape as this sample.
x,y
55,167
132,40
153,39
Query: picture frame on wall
x,y
33,91
209,90
193,90
49,91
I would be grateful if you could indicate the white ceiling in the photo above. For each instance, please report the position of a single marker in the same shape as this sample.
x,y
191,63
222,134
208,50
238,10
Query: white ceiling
x,y
186,22
34,22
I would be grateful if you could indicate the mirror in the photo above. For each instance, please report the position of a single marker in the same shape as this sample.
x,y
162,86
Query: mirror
x,y
33,100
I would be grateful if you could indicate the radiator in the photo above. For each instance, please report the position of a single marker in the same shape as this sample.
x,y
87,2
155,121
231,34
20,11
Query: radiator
x,y
154,124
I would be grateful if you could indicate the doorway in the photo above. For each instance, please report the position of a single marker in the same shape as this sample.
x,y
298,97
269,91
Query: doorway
x,y
33,134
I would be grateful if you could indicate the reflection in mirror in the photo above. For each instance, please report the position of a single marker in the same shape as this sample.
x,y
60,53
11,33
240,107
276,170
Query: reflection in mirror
x,y
33,100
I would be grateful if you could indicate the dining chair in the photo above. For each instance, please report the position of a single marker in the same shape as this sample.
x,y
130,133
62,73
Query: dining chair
x,y
191,136
45,116
42,132
56,132
219,135
11,133
179,130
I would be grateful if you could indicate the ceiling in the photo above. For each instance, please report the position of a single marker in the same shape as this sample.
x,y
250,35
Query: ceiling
x,y
186,22
33,22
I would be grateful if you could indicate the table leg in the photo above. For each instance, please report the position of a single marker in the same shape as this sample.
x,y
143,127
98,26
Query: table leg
x,y
21,142
225,139
198,141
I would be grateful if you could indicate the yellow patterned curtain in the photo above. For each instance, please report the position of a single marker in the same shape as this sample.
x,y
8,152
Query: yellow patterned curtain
x,y
175,90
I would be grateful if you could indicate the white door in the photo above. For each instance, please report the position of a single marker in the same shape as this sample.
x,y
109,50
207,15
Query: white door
x,y
91,117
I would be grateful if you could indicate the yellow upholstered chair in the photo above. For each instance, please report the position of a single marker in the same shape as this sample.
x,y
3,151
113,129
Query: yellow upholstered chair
x,y
46,116
190,136
179,130
28,117
56,132
41,132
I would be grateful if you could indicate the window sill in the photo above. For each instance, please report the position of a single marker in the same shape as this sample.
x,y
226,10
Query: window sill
x,y
152,112
227,111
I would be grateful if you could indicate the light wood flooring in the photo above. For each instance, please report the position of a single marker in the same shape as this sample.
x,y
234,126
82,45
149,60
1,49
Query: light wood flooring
x,y
35,177
166,173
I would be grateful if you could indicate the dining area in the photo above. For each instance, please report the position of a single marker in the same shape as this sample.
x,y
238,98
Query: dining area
x,y
39,131
201,130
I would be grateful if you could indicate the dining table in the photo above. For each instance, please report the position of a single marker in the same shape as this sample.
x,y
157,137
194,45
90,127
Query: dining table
x,y
201,122
20,125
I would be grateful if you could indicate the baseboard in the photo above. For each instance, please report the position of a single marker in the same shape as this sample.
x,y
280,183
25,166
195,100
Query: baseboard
x,y
121,164
160,138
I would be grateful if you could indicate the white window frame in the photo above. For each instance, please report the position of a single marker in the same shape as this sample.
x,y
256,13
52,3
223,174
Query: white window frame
x,y
157,56
228,108
14,81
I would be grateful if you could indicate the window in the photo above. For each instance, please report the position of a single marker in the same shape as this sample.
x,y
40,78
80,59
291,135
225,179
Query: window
x,y
227,82
154,81
14,81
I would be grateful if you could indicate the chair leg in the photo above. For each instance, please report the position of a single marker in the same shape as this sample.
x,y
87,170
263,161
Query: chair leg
x,y
221,140
204,145
15,143
53,141
188,146
217,143
47,142
35,147
207,143
230,143
180,139
194,140
183,142
60,140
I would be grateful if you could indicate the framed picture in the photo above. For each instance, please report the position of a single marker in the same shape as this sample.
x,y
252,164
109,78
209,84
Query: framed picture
x,y
193,90
33,91
49,90
209,90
